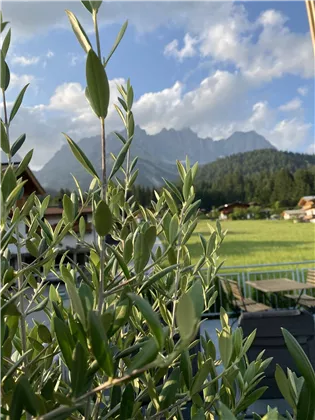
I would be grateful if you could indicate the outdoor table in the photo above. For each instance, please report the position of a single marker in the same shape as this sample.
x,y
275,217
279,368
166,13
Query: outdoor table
x,y
280,285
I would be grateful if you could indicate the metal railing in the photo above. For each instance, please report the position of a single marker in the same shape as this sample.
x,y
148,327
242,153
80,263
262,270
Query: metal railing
x,y
292,270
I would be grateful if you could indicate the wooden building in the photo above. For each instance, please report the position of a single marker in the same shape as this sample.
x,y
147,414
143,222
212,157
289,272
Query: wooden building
x,y
307,204
227,209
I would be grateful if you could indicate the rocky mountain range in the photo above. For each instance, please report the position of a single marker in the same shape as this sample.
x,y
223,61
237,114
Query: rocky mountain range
x,y
157,155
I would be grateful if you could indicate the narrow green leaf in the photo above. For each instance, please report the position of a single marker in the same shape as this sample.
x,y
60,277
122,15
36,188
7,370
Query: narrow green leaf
x,y
226,347
127,403
121,315
225,413
81,157
5,145
6,43
18,144
173,229
199,415
306,404
8,182
186,368
4,73
141,252
117,41
200,377
68,208
251,399
103,219
97,84
187,185
120,158
186,317
44,334
25,162
196,295
283,385
168,394
88,6
64,339
121,261
17,103
24,391
301,360
76,303
14,367
79,32
157,277
39,307
170,202
146,355
3,26
82,227
78,374
150,316
100,345
95,5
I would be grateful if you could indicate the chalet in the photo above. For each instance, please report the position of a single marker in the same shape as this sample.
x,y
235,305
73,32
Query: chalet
x,y
227,209
307,204
32,184
293,214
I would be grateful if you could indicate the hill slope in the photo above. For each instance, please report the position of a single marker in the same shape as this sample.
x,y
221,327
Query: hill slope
x,y
264,176
157,155
253,162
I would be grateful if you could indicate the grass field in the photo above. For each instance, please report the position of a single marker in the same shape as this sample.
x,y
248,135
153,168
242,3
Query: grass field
x,y
260,241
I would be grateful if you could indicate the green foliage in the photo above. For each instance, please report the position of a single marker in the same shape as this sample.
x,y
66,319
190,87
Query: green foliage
x,y
264,176
123,346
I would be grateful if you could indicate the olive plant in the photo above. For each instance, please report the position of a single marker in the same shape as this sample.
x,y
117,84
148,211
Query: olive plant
x,y
127,344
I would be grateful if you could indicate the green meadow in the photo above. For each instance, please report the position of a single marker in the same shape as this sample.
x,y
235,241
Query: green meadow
x,y
260,241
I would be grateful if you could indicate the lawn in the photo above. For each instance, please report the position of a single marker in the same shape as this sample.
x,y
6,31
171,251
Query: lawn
x,y
260,241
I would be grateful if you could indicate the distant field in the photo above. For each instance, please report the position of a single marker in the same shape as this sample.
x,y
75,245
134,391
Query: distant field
x,y
260,241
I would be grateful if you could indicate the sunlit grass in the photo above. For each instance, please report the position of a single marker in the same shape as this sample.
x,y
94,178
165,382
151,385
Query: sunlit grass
x,y
260,241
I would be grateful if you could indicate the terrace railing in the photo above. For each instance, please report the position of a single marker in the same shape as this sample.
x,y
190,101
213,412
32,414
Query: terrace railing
x,y
292,270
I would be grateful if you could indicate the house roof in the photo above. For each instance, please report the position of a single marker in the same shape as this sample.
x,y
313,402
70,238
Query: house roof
x,y
235,203
29,174
53,211
305,199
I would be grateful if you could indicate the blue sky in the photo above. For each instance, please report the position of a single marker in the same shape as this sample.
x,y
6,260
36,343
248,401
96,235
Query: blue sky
x,y
216,67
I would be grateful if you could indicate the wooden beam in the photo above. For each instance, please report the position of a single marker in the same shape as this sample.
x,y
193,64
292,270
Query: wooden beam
x,y
310,7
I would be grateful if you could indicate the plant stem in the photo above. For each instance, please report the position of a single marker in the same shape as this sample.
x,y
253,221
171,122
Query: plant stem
x,y
103,144
6,119
98,44
18,253
102,239
177,274
20,285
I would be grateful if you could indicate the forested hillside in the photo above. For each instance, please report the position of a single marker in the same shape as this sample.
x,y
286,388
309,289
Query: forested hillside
x,y
266,176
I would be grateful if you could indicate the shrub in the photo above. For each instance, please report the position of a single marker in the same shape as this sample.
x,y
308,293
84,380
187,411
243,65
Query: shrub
x,y
124,346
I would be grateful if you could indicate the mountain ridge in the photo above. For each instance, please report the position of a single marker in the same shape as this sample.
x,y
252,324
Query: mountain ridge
x,y
157,155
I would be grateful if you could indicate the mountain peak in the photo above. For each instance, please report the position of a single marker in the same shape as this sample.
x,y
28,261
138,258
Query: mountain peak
x,y
157,155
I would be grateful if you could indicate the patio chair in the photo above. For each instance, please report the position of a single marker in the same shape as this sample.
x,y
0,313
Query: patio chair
x,y
304,299
237,299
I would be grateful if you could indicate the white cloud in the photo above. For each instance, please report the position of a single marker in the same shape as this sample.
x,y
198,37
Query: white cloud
x,y
292,105
263,49
290,134
25,61
303,90
18,81
310,149
50,54
188,49
75,58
